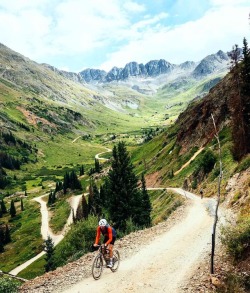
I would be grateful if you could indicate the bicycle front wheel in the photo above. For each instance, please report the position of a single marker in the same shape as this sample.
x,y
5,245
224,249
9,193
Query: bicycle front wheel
x,y
97,267
116,261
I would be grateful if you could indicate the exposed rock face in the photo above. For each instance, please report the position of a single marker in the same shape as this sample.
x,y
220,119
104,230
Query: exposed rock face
x,y
113,74
187,65
156,67
196,125
92,75
211,63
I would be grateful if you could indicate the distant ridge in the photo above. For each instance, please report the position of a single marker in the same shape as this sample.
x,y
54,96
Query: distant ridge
x,y
210,64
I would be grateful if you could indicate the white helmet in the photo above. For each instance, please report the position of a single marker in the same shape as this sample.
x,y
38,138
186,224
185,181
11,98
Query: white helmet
x,y
103,222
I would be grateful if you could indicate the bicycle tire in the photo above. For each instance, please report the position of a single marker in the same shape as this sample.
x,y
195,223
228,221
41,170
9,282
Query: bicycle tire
x,y
116,261
97,267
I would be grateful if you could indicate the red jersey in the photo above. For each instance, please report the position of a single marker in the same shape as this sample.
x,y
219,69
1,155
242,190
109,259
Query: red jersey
x,y
107,233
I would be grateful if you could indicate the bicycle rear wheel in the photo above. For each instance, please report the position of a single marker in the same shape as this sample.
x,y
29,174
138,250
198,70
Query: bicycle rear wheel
x,y
97,267
116,261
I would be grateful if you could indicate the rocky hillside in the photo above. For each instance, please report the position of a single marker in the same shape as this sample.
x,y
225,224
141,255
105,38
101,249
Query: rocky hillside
x,y
73,99
53,99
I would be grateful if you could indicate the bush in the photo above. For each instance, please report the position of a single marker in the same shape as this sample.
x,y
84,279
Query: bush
x,y
77,241
237,239
8,285
244,164
233,283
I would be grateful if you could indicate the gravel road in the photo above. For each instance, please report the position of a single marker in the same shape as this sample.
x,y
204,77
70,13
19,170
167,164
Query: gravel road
x,y
163,264
159,259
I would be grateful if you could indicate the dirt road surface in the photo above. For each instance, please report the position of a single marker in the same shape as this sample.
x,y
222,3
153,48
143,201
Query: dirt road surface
x,y
165,263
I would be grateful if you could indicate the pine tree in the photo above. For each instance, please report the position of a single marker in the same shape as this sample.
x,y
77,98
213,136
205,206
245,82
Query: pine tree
x,y
238,125
74,182
97,166
84,207
22,207
246,93
50,198
53,197
74,217
65,182
79,213
1,240
12,209
81,170
49,249
246,67
145,219
123,189
3,207
7,238
91,209
96,200
104,194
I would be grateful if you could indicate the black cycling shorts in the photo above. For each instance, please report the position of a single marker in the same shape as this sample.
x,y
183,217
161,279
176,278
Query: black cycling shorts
x,y
112,242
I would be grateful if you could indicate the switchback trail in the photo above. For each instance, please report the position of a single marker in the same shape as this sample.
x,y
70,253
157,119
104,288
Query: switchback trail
x,y
164,263
46,231
97,156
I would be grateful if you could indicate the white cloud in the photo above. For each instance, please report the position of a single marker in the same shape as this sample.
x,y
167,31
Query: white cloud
x,y
150,20
228,2
218,29
53,28
26,31
133,6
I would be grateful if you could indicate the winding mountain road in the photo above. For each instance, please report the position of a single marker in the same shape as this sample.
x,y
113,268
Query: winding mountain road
x,y
166,262
97,156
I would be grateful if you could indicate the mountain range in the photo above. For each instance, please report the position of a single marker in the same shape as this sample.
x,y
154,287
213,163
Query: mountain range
x,y
214,63
120,94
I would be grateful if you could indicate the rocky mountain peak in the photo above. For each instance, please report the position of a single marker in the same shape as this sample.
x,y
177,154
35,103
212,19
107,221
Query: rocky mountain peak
x,y
211,64
153,68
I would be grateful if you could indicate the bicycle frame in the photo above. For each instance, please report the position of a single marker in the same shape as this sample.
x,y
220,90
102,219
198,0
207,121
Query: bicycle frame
x,y
101,259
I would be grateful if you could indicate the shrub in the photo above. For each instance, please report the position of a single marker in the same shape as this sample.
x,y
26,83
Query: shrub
x,y
77,241
237,239
244,164
8,285
233,283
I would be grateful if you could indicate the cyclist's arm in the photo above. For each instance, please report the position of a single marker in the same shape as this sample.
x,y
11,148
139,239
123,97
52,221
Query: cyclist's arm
x,y
98,235
110,234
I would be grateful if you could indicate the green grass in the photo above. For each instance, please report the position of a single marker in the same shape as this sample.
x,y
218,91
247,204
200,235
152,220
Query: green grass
x,y
25,234
33,270
9,285
163,204
60,213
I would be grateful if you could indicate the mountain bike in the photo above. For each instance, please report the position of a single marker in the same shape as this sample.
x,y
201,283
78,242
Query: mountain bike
x,y
102,259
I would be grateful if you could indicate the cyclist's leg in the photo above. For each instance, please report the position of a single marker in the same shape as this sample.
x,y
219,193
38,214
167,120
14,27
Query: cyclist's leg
x,y
110,247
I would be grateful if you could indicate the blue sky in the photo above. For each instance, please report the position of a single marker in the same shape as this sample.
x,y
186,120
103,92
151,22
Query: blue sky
x,y
78,34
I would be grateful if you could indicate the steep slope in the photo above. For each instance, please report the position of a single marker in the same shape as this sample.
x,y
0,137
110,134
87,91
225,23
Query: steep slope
x,y
194,130
40,85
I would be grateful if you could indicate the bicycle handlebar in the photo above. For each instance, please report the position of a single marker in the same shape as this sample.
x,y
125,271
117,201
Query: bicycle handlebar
x,y
100,246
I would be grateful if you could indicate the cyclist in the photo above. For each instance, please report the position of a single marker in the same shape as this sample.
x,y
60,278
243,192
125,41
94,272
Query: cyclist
x,y
109,234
